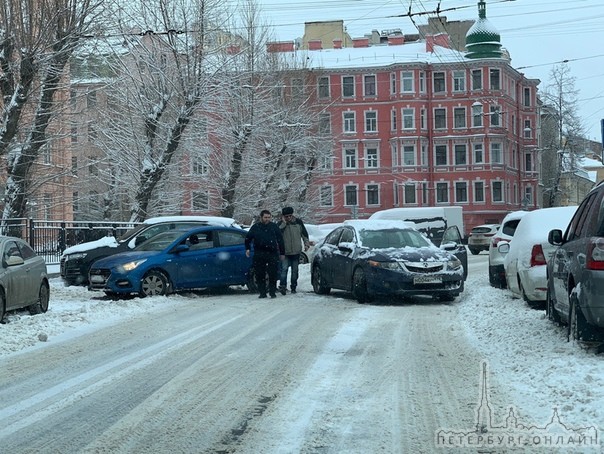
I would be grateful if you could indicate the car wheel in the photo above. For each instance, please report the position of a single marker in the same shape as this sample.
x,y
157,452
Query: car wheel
x,y
577,325
303,258
154,283
359,286
2,306
495,278
42,304
474,251
251,283
318,285
550,310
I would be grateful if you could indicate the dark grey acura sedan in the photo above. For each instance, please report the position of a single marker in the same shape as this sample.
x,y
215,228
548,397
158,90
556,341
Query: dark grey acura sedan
x,y
380,258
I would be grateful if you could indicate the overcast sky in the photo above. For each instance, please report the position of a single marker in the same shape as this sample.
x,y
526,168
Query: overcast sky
x,y
538,33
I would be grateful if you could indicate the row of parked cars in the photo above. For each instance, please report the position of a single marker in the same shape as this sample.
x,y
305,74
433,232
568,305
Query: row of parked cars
x,y
555,257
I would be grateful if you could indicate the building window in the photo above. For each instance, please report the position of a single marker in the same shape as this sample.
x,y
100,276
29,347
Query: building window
x,y
408,119
393,83
369,85
75,201
527,97
371,121
495,114
350,158
200,166
478,153
409,194
459,81
528,195
422,82
74,134
459,117
393,120
373,194
200,201
528,131
497,191
91,99
409,155
442,193
326,162
73,98
326,196
494,79
496,155
477,79
478,191
461,192
422,119
92,166
74,165
424,154
461,155
440,118
324,123
350,195
324,87
297,88
371,158
439,82
477,115
440,155
394,153
347,86
349,121
407,85
528,162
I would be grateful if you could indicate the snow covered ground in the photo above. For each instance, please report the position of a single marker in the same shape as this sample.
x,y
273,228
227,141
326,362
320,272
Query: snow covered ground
x,y
528,353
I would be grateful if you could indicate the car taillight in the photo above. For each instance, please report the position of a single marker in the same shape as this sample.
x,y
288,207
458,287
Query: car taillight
x,y
537,255
595,254
495,241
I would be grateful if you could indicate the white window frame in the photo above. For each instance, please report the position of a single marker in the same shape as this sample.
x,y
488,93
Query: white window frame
x,y
496,153
437,148
346,85
356,195
349,121
369,87
350,157
459,81
500,185
407,82
410,197
438,188
409,155
372,188
408,119
371,120
459,185
463,123
326,192
456,147
372,156
475,148
476,191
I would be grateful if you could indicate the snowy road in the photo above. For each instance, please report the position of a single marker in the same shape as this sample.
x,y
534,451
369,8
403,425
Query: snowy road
x,y
231,373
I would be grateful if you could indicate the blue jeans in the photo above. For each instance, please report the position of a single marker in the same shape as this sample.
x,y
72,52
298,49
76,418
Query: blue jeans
x,y
290,261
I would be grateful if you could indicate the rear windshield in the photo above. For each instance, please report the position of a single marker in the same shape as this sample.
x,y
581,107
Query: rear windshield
x,y
481,230
509,228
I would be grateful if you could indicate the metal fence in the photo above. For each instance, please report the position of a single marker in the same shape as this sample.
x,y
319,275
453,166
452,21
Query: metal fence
x,y
50,238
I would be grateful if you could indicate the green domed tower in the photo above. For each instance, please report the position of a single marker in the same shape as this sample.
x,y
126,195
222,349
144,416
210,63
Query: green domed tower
x,y
483,40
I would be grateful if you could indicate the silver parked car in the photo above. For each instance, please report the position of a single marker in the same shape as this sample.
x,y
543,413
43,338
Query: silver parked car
x,y
480,237
504,234
23,278
575,281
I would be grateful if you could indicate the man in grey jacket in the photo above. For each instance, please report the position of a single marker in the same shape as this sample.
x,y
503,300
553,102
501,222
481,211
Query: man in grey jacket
x,y
294,236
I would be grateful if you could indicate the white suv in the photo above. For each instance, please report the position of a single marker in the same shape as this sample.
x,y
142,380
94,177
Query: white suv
x,y
505,233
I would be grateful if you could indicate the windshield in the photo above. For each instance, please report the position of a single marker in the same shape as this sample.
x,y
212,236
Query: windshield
x,y
130,233
160,241
392,238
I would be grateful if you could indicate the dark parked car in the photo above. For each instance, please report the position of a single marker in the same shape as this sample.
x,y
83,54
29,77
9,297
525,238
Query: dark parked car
x,y
76,260
377,258
23,279
575,283
171,261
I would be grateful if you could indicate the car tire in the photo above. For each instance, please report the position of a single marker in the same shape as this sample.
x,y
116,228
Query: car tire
x,y
154,283
550,309
578,329
2,306
318,285
303,258
359,286
41,305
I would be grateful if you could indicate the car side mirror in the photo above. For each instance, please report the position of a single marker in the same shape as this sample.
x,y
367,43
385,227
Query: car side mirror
x,y
503,247
554,237
14,260
448,246
140,240
180,248
346,247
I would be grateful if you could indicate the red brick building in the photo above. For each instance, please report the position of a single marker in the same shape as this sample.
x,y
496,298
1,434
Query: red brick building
x,y
421,124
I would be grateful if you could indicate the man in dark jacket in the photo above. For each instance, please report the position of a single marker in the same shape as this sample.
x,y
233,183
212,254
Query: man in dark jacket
x,y
268,249
294,234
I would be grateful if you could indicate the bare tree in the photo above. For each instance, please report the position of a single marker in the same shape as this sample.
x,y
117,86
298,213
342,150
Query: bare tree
x,y
562,132
36,42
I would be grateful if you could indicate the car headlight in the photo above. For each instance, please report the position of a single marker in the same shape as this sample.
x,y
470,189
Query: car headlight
x,y
79,255
394,266
131,265
454,264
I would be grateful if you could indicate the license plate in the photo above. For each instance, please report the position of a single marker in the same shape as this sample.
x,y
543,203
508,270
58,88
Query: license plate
x,y
427,280
97,279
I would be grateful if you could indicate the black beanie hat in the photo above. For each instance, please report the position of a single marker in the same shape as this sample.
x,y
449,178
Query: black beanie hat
x,y
287,210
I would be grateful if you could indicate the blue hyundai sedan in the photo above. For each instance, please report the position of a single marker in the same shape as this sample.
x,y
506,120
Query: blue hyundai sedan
x,y
176,260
